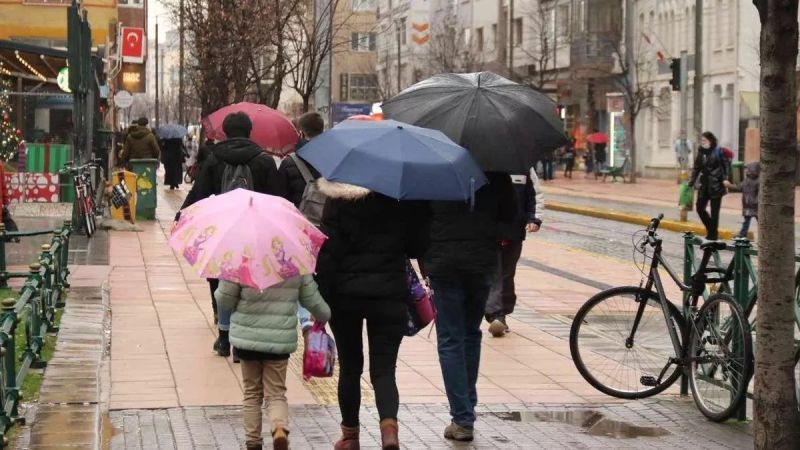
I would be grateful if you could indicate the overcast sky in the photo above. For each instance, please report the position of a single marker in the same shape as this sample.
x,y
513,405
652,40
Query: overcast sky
x,y
156,9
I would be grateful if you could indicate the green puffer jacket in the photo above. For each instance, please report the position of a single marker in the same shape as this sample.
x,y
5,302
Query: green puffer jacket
x,y
266,321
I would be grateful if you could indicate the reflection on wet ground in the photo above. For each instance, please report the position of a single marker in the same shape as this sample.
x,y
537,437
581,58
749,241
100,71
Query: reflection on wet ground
x,y
83,251
593,423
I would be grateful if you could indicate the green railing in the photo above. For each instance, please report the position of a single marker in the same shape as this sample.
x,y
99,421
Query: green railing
x,y
744,289
34,309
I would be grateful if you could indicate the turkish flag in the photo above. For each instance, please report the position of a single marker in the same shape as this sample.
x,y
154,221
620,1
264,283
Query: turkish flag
x,y
132,44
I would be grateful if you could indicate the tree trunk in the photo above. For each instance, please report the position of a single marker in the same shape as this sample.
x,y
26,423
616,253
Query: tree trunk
x,y
632,140
777,421
306,101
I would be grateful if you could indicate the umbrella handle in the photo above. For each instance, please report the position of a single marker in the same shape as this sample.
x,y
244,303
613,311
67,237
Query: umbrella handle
x,y
472,194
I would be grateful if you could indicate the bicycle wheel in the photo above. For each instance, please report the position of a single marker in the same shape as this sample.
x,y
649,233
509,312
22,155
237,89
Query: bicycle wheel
x,y
606,356
720,355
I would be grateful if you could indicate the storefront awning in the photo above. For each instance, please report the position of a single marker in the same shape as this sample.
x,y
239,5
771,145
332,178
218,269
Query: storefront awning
x,y
33,64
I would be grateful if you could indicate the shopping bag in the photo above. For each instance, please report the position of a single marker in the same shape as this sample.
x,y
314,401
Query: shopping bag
x,y
421,310
320,353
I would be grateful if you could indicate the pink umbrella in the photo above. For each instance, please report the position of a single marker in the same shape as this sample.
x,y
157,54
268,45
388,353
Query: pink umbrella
x,y
360,117
253,239
597,138
272,130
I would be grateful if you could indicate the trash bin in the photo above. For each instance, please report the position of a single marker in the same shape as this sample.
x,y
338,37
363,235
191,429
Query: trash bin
x,y
66,187
737,169
146,199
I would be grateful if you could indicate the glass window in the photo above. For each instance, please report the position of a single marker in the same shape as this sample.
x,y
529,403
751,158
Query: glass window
x,y
47,2
402,30
518,31
479,38
129,3
363,87
562,16
362,42
366,5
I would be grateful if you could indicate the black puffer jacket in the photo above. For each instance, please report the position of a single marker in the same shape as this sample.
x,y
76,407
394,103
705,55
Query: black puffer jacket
x,y
525,200
370,236
266,178
295,183
464,241
710,170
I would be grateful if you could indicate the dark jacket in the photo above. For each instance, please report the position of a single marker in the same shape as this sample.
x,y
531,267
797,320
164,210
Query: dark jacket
x,y
710,170
140,143
295,183
370,236
749,189
464,241
525,199
236,151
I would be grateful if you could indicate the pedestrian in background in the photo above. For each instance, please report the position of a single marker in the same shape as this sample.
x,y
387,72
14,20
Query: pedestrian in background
x,y
461,263
140,143
749,189
236,150
361,271
547,165
173,156
709,176
569,158
503,296
264,333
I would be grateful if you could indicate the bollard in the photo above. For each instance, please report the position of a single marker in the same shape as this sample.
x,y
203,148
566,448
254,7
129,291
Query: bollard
x,y
9,359
741,293
688,274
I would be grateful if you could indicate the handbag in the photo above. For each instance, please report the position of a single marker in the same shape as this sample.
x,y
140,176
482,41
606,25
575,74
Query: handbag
x,y
421,310
319,356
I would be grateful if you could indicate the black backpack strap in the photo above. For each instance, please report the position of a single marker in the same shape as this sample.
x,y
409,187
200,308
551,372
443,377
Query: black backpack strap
x,y
303,168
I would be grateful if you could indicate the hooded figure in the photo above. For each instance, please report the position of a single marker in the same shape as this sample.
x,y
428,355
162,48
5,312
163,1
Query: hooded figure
x,y
749,189
140,143
361,273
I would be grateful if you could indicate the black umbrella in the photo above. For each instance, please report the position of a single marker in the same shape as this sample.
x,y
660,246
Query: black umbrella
x,y
506,126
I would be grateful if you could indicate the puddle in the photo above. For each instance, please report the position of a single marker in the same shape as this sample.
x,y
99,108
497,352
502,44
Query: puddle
x,y
593,423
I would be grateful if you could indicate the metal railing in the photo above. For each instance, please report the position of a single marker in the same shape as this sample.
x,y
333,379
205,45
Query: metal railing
x,y
34,309
744,289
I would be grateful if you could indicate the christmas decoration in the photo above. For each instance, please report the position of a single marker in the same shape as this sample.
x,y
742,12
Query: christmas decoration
x,y
9,134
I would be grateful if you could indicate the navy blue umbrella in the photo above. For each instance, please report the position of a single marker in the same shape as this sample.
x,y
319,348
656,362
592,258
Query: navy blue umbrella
x,y
398,160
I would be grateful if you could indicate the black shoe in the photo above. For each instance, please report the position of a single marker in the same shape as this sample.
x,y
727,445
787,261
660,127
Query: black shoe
x,y
222,346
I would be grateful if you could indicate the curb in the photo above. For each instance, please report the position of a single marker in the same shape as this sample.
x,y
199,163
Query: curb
x,y
638,219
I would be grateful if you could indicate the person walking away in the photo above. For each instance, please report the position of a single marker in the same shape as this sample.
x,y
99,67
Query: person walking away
x,y
749,189
264,333
297,173
502,296
228,156
569,158
361,271
600,156
709,175
547,166
461,262
173,157
140,143
310,126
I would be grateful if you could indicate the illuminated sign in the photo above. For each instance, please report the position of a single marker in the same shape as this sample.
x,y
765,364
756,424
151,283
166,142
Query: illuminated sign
x,y
63,79
132,78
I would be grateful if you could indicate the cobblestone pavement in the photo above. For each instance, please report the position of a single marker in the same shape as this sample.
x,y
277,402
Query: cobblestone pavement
x,y
664,424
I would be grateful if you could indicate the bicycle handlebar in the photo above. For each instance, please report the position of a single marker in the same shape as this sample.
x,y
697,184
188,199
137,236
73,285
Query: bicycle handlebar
x,y
652,228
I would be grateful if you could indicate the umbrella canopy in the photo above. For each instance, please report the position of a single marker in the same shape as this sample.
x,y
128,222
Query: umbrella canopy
x,y
360,117
272,130
172,131
242,236
398,160
597,138
506,126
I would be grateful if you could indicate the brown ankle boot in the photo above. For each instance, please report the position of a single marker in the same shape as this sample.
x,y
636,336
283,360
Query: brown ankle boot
x,y
389,434
280,439
349,439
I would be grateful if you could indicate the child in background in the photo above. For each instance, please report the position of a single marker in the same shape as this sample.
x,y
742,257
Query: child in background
x,y
264,334
749,189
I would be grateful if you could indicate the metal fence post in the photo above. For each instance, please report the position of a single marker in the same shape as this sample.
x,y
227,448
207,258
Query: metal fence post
x,y
741,293
10,359
66,234
688,274
3,271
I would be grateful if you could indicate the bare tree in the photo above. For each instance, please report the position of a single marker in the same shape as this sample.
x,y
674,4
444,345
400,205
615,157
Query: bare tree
x,y
777,421
452,49
311,37
221,35
541,46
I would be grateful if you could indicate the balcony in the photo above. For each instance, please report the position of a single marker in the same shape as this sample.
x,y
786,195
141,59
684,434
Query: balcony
x,y
594,54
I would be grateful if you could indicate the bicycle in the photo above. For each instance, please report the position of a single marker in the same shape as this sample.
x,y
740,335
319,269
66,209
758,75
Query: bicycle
x,y
632,342
749,310
89,202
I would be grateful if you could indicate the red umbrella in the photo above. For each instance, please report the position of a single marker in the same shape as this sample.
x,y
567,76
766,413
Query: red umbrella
x,y
360,117
597,138
272,130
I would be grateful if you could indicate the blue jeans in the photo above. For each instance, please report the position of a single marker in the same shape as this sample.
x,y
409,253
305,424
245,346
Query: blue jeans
x,y
746,225
460,304
223,318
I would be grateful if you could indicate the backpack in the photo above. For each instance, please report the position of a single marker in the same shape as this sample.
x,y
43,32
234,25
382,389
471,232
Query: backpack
x,y
312,202
238,176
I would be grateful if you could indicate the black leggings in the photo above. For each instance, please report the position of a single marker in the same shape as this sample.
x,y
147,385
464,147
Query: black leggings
x,y
385,325
711,222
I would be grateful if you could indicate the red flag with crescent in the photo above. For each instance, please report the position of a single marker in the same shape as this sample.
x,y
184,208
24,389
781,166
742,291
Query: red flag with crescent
x,y
132,44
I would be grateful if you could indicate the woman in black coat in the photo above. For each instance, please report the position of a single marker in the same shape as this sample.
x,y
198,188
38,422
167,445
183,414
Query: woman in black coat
x,y
709,178
172,155
361,273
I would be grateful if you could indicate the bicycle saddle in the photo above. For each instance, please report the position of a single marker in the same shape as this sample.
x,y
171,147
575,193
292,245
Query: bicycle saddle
x,y
713,245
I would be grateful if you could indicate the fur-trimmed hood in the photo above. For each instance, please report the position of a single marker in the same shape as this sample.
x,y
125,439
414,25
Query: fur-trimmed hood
x,y
344,191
